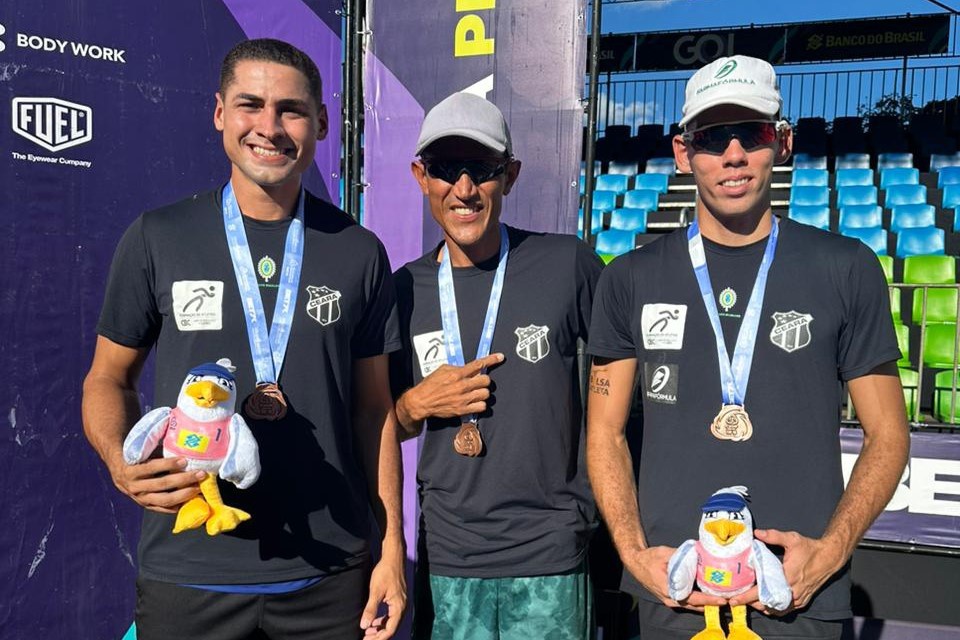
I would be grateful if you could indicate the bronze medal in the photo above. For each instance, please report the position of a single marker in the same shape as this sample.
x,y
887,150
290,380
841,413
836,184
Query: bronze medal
x,y
265,403
732,423
468,441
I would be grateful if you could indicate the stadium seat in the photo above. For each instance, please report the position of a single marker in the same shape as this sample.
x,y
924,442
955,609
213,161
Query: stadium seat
x,y
623,168
899,175
944,390
908,216
895,312
661,165
891,160
861,215
938,161
613,182
951,196
614,242
810,195
938,346
905,194
873,237
856,194
886,263
903,341
654,181
941,303
854,177
815,215
909,380
604,200
628,219
810,178
853,161
806,161
596,222
956,220
641,199
919,242
948,175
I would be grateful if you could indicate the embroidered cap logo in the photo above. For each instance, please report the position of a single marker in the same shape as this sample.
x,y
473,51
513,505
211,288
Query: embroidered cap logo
x,y
726,70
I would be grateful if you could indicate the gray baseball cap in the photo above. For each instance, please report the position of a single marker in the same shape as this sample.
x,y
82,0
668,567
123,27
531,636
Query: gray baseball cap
x,y
468,116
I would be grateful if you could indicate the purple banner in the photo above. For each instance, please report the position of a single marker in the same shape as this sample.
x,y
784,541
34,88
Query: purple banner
x,y
926,506
106,110
526,56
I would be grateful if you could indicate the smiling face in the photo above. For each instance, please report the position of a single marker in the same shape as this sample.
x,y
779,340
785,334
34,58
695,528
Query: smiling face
x,y
270,124
467,212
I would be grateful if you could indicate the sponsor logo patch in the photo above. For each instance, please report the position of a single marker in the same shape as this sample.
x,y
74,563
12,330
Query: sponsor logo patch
x,y
431,354
324,304
52,123
198,305
532,343
791,330
661,381
662,325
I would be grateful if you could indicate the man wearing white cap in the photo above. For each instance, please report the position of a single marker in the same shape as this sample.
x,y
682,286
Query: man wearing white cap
x,y
743,296
490,319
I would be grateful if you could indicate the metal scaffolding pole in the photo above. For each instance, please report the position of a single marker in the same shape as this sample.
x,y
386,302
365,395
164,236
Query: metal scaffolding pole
x,y
593,103
352,101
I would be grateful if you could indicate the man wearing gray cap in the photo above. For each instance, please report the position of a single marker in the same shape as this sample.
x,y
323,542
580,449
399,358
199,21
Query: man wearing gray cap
x,y
490,318
801,312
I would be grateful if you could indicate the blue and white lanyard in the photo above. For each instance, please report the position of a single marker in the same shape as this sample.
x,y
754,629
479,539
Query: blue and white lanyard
x,y
266,346
733,378
448,307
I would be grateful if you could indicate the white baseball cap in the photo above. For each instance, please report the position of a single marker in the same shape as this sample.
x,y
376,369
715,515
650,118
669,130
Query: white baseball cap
x,y
740,80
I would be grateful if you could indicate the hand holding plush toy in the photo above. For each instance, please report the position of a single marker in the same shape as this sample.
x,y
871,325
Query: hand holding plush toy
x,y
725,562
204,429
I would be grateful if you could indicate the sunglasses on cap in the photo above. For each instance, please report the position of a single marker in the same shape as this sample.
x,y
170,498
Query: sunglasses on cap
x,y
449,171
751,134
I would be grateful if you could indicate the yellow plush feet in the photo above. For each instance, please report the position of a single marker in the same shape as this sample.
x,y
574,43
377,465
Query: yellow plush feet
x,y
225,518
191,515
711,615
738,626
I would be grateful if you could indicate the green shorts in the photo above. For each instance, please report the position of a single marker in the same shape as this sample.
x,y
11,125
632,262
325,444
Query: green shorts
x,y
554,607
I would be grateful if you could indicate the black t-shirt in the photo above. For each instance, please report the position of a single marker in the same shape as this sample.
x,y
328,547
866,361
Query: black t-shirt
x,y
824,321
524,507
172,285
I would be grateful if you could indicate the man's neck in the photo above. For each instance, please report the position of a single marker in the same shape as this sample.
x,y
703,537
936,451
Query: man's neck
x,y
734,231
475,254
266,203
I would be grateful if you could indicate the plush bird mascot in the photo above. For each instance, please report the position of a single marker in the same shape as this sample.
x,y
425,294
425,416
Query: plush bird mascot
x,y
725,562
204,429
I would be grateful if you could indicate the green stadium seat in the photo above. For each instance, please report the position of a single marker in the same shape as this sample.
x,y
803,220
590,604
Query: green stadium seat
x,y
895,313
909,380
941,303
903,341
886,262
938,346
943,393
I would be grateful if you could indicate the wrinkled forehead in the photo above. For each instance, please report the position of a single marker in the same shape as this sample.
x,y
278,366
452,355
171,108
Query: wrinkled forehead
x,y
460,148
725,113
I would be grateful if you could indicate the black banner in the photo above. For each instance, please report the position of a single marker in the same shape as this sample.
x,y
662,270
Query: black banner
x,y
616,53
859,39
693,49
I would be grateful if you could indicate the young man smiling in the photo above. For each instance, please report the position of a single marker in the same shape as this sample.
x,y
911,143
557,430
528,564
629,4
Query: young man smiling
x,y
799,312
183,281
490,320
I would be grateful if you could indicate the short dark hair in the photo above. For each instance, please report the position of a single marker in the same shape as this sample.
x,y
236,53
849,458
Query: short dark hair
x,y
271,50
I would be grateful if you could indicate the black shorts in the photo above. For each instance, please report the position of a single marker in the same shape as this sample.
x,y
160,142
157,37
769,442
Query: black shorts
x,y
329,609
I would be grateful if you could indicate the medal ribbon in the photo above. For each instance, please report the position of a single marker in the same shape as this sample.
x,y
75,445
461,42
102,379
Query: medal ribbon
x,y
448,307
268,347
733,377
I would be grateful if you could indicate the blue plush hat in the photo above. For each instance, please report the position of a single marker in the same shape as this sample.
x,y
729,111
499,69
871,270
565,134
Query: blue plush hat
x,y
212,369
724,502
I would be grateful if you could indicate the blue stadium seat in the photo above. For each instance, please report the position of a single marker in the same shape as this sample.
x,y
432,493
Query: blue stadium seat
x,y
873,237
623,168
909,216
815,215
940,160
615,242
641,199
920,242
628,219
857,194
810,195
956,220
613,182
890,160
951,196
853,161
948,175
661,165
807,161
596,222
604,200
899,175
654,181
810,178
854,177
861,215
905,194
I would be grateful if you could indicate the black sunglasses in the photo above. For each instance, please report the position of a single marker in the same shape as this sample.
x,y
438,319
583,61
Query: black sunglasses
x,y
480,171
716,138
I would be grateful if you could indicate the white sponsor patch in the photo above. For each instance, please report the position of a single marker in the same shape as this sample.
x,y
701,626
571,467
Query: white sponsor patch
x,y
431,353
324,304
791,330
532,342
198,305
662,325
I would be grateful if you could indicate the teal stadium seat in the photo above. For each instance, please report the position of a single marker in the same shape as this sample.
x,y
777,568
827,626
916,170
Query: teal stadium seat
x,y
853,161
856,194
905,194
596,222
948,175
891,160
815,215
920,241
653,181
810,178
861,215
604,200
899,175
614,242
807,161
661,165
854,178
641,199
910,216
873,237
941,303
623,168
940,160
951,196
628,219
613,182
810,195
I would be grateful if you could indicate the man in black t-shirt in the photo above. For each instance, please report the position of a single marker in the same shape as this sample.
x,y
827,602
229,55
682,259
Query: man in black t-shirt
x,y
490,320
310,341
742,297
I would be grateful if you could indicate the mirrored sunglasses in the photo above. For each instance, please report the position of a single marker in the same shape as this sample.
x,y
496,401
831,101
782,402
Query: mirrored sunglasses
x,y
716,138
480,171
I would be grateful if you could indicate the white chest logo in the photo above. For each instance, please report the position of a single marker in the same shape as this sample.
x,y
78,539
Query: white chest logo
x,y
791,330
323,305
662,325
532,343
431,354
198,305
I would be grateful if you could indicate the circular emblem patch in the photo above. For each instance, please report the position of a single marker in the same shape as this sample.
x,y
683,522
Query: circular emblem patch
x,y
728,299
267,268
